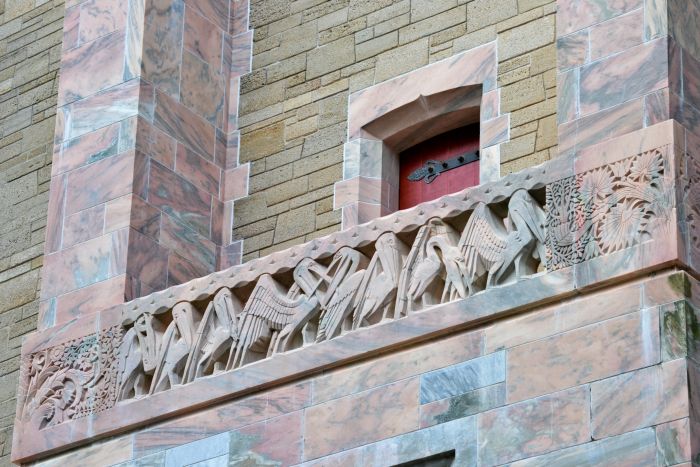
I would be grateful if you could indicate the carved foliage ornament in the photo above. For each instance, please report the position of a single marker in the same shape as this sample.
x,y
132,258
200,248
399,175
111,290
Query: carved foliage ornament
x,y
71,380
607,209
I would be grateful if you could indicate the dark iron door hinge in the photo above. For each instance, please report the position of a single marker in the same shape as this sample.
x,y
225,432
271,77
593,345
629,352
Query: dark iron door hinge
x,y
432,169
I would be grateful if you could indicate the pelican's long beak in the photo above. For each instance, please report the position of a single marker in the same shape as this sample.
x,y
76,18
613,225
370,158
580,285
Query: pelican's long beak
x,y
390,259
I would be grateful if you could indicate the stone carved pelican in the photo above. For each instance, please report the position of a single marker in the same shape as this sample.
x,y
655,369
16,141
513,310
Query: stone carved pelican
x,y
217,334
491,246
346,275
178,341
432,252
138,355
377,292
269,320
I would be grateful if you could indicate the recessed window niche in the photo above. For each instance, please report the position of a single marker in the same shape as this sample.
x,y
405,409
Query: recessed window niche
x,y
391,117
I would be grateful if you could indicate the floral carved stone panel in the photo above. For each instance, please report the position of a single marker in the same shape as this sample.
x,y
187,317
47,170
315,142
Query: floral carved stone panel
x,y
71,380
607,209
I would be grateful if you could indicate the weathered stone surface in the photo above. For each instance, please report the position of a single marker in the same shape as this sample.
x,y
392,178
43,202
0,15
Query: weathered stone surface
x,y
636,448
295,223
401,59
464,377
482,13
673,442
534,427
330,57
263,142
639,399
374,415
527,37
572,358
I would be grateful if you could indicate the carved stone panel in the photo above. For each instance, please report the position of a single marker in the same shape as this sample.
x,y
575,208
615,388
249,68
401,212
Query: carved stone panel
x,y
607,209
71,380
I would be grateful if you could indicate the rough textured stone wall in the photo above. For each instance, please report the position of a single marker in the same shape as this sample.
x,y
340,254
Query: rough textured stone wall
x,y
309,55
30,47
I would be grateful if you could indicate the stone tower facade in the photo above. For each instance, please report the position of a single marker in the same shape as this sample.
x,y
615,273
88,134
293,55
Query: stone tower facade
x,y
226,278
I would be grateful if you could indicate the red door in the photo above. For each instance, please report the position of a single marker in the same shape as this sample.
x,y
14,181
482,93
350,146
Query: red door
x,y
442,147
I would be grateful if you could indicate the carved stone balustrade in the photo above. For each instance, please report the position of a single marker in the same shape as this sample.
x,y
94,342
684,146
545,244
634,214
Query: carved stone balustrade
x,y
624,207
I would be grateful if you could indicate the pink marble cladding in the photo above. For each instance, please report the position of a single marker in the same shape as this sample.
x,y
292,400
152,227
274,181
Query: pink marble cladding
x,y
633,73
102,17
617,35
92,67
534,427
81,265
495,131
88,148
673,442
364,190
611,54
572,358
90,299
642,398
233,415
96,183
398,366
202,88
574,15
202,38
276,441
71,27
573,50
374,415
161,60
144,91
191,129
179,198
236,182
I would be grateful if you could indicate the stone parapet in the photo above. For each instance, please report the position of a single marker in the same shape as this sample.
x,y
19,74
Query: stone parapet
x,y
614,212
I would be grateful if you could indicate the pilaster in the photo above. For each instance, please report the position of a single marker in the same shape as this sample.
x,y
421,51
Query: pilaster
x,y
146,150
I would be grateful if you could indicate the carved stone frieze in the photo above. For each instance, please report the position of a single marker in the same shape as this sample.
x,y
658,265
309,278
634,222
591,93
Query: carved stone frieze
x,y
391,278
489,242
597,212
71,380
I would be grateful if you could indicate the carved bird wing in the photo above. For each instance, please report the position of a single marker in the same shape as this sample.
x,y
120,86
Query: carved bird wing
x,y
339,306
268,303
484,236
267,309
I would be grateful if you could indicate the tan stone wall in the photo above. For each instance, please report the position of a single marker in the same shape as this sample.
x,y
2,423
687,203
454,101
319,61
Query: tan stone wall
x,y
309,55
30,46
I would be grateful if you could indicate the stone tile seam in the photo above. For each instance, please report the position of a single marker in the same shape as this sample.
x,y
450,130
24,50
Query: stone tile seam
x,y
489,386
639,310
591,441
590,383
600,22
